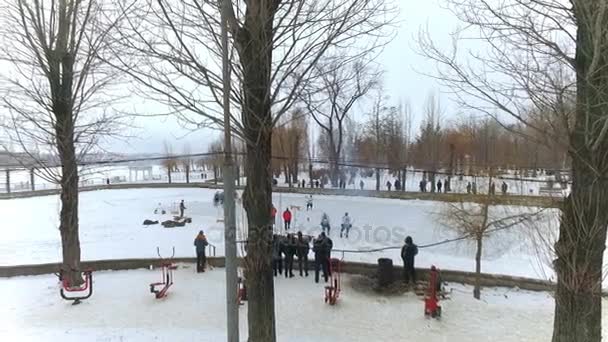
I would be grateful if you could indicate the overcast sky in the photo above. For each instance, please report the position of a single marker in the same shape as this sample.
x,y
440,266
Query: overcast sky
x,y
402,82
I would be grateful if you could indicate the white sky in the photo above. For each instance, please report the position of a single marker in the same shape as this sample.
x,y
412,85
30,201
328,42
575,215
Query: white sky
x,y
402,82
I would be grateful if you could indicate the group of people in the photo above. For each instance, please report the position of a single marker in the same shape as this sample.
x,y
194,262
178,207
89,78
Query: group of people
x,y
440,186
347,224
472,188
286,248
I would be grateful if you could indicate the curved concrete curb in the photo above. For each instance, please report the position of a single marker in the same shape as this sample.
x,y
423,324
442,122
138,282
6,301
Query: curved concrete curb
x,y
487,280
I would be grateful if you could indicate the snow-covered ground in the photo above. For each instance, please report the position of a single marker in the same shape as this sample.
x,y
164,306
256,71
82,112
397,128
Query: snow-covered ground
x,y
122,309
111,227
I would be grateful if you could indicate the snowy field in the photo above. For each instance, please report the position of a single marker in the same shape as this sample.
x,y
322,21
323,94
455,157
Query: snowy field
x,y
122,309
111,228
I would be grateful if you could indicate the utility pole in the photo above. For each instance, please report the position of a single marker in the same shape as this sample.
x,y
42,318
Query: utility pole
x,y
232,306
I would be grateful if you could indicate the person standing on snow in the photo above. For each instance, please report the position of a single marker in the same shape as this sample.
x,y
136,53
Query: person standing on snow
x,y
322,248
361,184
290,252
277,254
201,258
302,250
504,188
273,215
439,185
388,185
309,202
408,253
469,188
182,207
325,223
346,224
287,218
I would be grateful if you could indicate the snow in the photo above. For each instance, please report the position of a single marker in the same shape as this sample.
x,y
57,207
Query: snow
x,y
111,228
122,309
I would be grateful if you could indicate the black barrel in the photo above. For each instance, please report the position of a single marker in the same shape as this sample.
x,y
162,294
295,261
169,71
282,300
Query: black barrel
x,y
385,272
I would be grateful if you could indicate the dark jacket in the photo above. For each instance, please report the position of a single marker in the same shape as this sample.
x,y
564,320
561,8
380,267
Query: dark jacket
x,y
408,252
322,248
277,248
290,248
303,247
182,206
201,243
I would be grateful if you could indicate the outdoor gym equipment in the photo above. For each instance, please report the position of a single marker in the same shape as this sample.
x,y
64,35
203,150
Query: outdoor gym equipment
x,y
167,268
431,300
332,291
86,289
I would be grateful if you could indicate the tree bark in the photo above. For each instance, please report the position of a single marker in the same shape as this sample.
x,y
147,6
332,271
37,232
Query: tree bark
x,y
188,173
169,174
477,288
377,179
254,45
582,237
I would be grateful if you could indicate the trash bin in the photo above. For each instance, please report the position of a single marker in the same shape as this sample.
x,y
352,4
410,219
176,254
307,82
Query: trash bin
x,y
385,272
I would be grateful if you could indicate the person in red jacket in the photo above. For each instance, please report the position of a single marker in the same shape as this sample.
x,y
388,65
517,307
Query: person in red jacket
x,y
273,215
287,218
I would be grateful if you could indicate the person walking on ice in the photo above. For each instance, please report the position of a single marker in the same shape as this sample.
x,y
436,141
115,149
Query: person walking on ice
x,y
201,244
308,202
287,219
182,207
346,224
325,223
408,254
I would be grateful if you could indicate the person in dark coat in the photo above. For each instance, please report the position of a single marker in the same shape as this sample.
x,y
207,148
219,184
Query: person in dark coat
x,y
423,186
388,185
303,248
361,184
316,184
439,185
504,188
290,252
492,188
201,244
322,248
277,255
469,188
397,185
182,207
408,253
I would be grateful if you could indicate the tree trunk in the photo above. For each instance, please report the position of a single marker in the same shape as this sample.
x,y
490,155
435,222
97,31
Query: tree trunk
x,y
582,237
188,173
310,174
169,174
254,45
68,216
8,181
432,180
477,288
215,174
377,179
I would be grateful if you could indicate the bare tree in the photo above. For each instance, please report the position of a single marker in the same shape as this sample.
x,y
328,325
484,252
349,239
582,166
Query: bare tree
x,y
187,161
330,99
57,93
170,162
541,53
276,45
474,222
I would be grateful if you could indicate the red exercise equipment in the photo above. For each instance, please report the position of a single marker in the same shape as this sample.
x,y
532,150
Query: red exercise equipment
x,y
332,291
167,268
86,287
431,299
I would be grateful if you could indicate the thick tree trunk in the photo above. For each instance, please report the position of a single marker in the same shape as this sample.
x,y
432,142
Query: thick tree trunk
x,y
310,175
477,287
582,238
377,179
254,45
